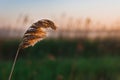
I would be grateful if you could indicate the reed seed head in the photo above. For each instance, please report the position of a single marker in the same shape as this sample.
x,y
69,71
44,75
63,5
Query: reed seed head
x,y
36,33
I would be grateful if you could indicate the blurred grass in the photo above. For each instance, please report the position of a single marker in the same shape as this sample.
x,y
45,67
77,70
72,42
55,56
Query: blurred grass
x,y
62,48
80,69
62,60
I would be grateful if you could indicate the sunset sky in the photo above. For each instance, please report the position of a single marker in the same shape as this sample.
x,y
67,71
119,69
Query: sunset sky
x,y
101,10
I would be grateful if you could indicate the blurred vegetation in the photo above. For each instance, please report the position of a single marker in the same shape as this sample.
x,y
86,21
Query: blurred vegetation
x,y
60,59
63,69
61,48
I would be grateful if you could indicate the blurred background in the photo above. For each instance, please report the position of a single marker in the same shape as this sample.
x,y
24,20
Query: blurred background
x,y
86,45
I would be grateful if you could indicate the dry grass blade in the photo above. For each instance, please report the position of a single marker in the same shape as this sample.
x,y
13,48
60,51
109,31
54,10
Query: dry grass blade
x,y
34,34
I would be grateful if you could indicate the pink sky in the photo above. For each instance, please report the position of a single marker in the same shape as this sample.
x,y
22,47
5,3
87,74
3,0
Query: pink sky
x,y
105,11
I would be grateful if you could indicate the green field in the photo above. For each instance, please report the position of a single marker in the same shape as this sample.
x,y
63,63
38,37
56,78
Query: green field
x,y
68,69
62,60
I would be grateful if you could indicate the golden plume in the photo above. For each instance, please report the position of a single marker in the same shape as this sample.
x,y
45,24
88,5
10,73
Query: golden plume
x,y
34,34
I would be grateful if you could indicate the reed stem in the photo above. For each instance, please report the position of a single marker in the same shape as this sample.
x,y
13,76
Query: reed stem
x,y
13,66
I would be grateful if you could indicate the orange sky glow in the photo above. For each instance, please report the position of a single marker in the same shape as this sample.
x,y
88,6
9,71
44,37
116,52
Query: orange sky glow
x,y
14,11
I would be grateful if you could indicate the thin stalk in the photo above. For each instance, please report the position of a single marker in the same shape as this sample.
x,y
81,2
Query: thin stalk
x,y
12,69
